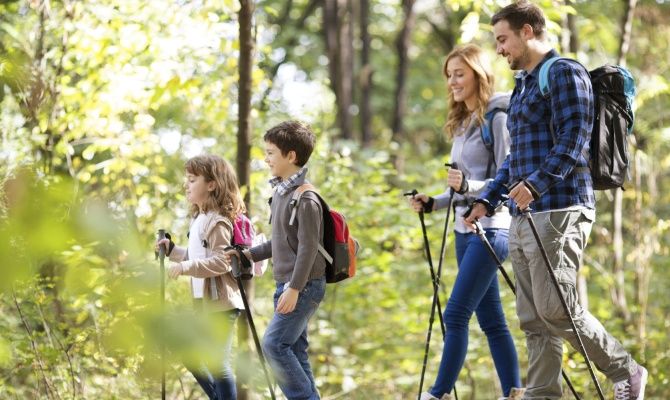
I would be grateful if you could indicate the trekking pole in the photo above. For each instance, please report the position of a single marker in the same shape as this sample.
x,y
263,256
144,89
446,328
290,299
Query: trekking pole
x,y
238,274
426,246
436,297
482,235
161,257
443,248
529,217
436,281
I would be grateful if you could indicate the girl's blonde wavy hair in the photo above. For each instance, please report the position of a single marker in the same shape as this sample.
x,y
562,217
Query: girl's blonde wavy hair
x,y
476,59
225,198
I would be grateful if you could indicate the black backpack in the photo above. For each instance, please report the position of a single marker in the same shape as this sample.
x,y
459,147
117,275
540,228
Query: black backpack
x,y
614,92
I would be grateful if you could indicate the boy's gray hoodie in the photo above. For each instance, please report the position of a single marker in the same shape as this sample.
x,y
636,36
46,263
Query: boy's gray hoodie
x,y
470,154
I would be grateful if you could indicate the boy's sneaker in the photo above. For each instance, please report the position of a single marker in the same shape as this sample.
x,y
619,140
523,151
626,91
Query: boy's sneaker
x,y
428,396
514,394
633,387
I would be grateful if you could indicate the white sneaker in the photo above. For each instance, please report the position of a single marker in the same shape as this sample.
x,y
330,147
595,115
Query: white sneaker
x,y
428,396
514,394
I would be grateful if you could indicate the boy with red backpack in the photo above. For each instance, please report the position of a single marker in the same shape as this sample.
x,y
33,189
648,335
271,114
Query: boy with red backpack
x,y
299,267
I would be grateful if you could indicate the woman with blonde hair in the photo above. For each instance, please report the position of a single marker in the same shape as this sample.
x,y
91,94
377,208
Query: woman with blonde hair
x,y
477,149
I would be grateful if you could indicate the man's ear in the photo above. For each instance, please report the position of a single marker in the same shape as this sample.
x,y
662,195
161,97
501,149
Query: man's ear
x,y
527,31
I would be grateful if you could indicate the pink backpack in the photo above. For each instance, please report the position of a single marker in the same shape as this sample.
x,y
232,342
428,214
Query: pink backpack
x,y
245,235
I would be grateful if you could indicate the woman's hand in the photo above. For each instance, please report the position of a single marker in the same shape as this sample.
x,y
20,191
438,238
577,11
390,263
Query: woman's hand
x,y
417,202
455,180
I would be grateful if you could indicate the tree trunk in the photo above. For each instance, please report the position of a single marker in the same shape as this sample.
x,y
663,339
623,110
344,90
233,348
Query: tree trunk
x,y
617,211
650,239
617,247
290,44
402,46
569,35
365,75
626,30
347,54
247,44
339,49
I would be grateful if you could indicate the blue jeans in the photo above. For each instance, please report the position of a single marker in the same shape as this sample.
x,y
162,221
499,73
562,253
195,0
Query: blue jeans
x,y
285,342
476,290
222,385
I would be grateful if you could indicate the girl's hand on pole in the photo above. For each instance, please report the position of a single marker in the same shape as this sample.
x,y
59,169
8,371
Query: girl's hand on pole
x,y
165,242
230,253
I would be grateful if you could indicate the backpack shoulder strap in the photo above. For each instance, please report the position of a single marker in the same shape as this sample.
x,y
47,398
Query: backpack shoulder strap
x,y
295,200
487,131
543,80
297,195
488,137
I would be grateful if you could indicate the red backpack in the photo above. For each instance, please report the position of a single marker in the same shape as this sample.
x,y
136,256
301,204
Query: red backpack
x,y
339,248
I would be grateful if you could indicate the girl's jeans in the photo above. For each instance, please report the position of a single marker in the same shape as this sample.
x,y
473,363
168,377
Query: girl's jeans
x,y
221,385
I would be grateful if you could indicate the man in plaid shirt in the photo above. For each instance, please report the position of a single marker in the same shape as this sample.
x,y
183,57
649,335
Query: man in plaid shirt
x,y
547,170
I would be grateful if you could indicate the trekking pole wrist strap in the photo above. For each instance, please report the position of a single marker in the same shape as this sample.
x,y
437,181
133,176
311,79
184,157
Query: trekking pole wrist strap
x,y
464,187
247,254
170,246
428,205
490,210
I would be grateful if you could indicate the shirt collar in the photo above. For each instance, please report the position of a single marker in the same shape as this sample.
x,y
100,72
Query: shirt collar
x,y
282,185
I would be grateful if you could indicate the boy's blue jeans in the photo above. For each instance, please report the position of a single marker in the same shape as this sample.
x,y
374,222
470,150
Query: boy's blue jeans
x,y
285,342
476,290
222,385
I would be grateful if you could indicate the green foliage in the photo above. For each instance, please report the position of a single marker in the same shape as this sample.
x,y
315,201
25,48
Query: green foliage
x,y
103,101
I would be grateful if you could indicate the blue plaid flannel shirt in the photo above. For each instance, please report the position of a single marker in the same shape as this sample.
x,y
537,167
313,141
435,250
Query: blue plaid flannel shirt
x,y
553,166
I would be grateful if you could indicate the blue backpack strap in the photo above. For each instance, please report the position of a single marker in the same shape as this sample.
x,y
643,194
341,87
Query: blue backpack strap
x,y
488,137
629,91
544,74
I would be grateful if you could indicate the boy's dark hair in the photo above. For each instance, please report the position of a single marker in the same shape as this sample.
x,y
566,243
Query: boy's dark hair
x,y
292,136
520,13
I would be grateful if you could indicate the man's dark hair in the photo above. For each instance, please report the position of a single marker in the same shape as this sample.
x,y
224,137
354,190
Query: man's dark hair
x,y
520,13
292,136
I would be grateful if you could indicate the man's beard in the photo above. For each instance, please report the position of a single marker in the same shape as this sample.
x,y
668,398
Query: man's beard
x,y
517,63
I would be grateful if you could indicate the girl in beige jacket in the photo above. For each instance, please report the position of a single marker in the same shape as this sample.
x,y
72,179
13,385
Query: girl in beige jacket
x,y
211,189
